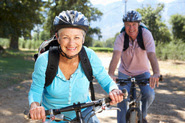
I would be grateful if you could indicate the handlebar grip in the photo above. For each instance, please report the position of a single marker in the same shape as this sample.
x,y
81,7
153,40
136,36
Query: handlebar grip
x,y
160,78
125,93
47,112
27,114
108,100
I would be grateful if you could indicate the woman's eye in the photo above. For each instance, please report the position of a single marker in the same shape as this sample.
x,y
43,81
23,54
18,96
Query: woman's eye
x,y
64,37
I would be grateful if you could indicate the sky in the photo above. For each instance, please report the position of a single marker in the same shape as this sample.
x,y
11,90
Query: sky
x,y
104,2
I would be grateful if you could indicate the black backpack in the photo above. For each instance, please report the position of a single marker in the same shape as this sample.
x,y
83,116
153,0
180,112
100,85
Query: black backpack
x,y
139,38
53,61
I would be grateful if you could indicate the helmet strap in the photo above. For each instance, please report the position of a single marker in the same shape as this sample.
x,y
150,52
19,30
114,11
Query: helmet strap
x,y
64,54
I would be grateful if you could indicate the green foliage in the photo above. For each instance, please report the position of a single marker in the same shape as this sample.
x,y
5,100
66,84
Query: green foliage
x,y
29,44
18,19
178,26
23,44
91,31
4,42
44,35
101,49
152,19
98,44
173,50
84,6
110,42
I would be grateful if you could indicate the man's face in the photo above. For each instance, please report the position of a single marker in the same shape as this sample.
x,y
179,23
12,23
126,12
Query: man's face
x,y
131,29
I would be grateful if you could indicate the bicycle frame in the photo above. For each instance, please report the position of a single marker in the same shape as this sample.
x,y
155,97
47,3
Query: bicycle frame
x,y
134,105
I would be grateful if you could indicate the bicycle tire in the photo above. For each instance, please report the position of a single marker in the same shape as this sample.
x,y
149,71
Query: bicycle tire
x,y
140,113
133,117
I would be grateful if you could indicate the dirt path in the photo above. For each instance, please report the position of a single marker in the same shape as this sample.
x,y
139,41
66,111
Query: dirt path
x,y
168,107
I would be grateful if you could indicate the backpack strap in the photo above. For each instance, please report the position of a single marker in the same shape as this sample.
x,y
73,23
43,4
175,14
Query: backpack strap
x,y
52,67
126,42
87,69
35,57
139,40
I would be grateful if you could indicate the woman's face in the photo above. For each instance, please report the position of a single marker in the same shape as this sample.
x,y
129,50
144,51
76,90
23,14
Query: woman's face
x,y
70,40
131,29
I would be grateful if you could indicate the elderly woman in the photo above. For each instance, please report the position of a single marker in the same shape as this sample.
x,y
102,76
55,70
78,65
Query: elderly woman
x,y
70,85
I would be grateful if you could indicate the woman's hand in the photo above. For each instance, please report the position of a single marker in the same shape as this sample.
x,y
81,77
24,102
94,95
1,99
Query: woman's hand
x,y
37,112
116,96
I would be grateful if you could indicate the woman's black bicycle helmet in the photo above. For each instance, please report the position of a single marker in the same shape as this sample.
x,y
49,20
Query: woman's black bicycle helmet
x,y
71,18
132,16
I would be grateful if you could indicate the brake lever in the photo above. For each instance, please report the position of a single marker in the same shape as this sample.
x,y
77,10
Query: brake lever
x,y
55,117
99,109
110,108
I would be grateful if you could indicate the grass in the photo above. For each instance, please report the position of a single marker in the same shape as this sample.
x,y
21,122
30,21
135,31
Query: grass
x,y
15,66
102,49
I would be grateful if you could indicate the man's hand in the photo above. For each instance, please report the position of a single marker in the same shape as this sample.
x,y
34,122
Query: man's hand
x,y
154,80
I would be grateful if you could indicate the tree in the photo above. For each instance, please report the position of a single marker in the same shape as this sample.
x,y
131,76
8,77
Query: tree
x,y
44,35
17,18
98,44
152,19
110,42
178,26
84,6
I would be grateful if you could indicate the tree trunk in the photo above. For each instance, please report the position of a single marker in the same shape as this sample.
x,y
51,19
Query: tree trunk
x,y
14,42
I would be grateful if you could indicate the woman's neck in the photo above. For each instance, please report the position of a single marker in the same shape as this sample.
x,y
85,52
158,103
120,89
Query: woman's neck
x,y
67,60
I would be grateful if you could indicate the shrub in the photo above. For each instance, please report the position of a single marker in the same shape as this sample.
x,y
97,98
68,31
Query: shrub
x,y
173,50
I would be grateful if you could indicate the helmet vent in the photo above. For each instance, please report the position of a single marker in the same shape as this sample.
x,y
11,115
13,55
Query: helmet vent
x,y
71,18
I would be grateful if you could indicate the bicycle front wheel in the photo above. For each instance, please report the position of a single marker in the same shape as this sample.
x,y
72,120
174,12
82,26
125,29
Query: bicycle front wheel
x,y
133,117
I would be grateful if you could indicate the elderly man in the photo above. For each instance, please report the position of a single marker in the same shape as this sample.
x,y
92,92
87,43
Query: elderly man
x,y
136,48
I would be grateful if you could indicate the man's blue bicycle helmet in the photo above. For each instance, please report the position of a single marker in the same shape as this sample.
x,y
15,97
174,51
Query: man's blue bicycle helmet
x,y
132,16
71,18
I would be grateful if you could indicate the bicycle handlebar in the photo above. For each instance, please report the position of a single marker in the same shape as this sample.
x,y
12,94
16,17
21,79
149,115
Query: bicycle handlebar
x,y
78,106
138,81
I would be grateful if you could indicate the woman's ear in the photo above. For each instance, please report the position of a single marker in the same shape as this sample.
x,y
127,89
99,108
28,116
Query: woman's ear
x,y
57,37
